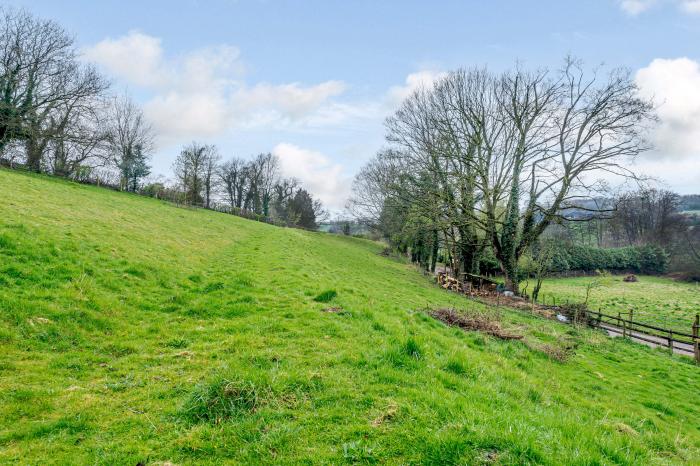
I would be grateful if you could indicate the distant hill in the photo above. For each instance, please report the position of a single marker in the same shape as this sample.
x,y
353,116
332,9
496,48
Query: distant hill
x,y
690,202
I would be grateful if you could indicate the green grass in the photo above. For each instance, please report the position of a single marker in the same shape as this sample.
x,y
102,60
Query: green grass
x,y
654,300
133,331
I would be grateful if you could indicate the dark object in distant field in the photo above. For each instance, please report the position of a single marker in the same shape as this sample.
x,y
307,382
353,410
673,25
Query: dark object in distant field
x,y
631,278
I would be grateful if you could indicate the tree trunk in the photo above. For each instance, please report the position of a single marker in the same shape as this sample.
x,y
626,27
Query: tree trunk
x,y
434,251
511,280
34,155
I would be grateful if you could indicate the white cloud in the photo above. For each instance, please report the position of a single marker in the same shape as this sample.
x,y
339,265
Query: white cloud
x,y
681,175
285,102
635,7
691,6
413,82
673,84
202,93
317,172
136,57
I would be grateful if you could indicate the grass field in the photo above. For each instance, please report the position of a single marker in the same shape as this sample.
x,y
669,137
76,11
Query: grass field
x,y
133,331
655,300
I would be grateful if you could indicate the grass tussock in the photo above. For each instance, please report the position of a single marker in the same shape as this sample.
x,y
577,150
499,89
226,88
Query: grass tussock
x,y
326,296
222,399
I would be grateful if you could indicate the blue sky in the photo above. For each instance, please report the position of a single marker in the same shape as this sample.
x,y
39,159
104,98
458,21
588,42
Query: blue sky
x,y
313,80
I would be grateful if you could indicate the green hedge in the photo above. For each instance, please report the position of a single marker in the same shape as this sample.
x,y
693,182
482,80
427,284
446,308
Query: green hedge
x,y
640,259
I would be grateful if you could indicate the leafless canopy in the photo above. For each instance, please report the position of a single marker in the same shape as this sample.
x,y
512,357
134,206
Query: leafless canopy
x,y
494,159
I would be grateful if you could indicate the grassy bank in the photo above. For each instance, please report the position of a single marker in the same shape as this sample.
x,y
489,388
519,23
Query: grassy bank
x,y
135,331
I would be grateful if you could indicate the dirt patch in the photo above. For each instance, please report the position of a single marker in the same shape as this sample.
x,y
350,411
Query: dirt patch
x,y
388,415
475,322
184,354
332,309
557,353
38,320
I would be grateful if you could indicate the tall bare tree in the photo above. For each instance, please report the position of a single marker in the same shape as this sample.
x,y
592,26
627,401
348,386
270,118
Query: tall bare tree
x,y
190,168
41,82
497,158
232,179
209,173
130,141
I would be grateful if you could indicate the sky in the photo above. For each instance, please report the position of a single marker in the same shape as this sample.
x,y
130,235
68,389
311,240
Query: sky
x,y
312,81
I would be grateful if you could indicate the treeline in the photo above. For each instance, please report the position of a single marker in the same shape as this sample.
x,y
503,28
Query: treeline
x,y
58,117
479,165
56,114
645,217
249,188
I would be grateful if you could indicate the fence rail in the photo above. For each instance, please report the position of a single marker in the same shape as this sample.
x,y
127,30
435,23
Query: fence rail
x,y
680,341
648,333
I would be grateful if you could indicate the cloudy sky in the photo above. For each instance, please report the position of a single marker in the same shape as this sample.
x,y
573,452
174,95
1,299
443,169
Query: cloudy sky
x,y
312,81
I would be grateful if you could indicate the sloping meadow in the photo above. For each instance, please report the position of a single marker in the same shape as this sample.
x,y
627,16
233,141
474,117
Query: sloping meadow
x,y
133,331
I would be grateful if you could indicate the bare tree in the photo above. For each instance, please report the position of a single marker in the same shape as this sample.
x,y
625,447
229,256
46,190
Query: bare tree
x,y
130,141
191,168
498,158
42,82
209,178
232,178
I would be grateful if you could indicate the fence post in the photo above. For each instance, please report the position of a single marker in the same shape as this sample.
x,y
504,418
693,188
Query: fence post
x,y
620,323
670,341
696,343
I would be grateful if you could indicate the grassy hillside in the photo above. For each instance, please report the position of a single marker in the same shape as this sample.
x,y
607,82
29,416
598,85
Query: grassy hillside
x,y
655,300
135,331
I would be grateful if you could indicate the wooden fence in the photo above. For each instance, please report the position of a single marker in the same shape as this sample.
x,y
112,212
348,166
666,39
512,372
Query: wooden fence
x,y
688,343
624,324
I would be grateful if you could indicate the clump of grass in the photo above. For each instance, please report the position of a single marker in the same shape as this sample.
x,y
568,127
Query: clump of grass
x,y
404,355
214,286
177,343
222,399
411,349
326,296
457,367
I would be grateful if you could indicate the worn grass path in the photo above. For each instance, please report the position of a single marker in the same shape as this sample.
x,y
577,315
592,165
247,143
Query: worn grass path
x,y
135,331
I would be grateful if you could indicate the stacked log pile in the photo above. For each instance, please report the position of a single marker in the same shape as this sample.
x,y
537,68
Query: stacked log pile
x,y
447,282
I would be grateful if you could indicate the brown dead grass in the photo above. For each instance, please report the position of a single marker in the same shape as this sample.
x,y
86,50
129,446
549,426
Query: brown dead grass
x,y
473,322
332,309
386,416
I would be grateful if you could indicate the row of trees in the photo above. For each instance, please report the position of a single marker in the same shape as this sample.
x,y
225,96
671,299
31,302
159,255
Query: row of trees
x,y
484,163
644,217
56,115
244,187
